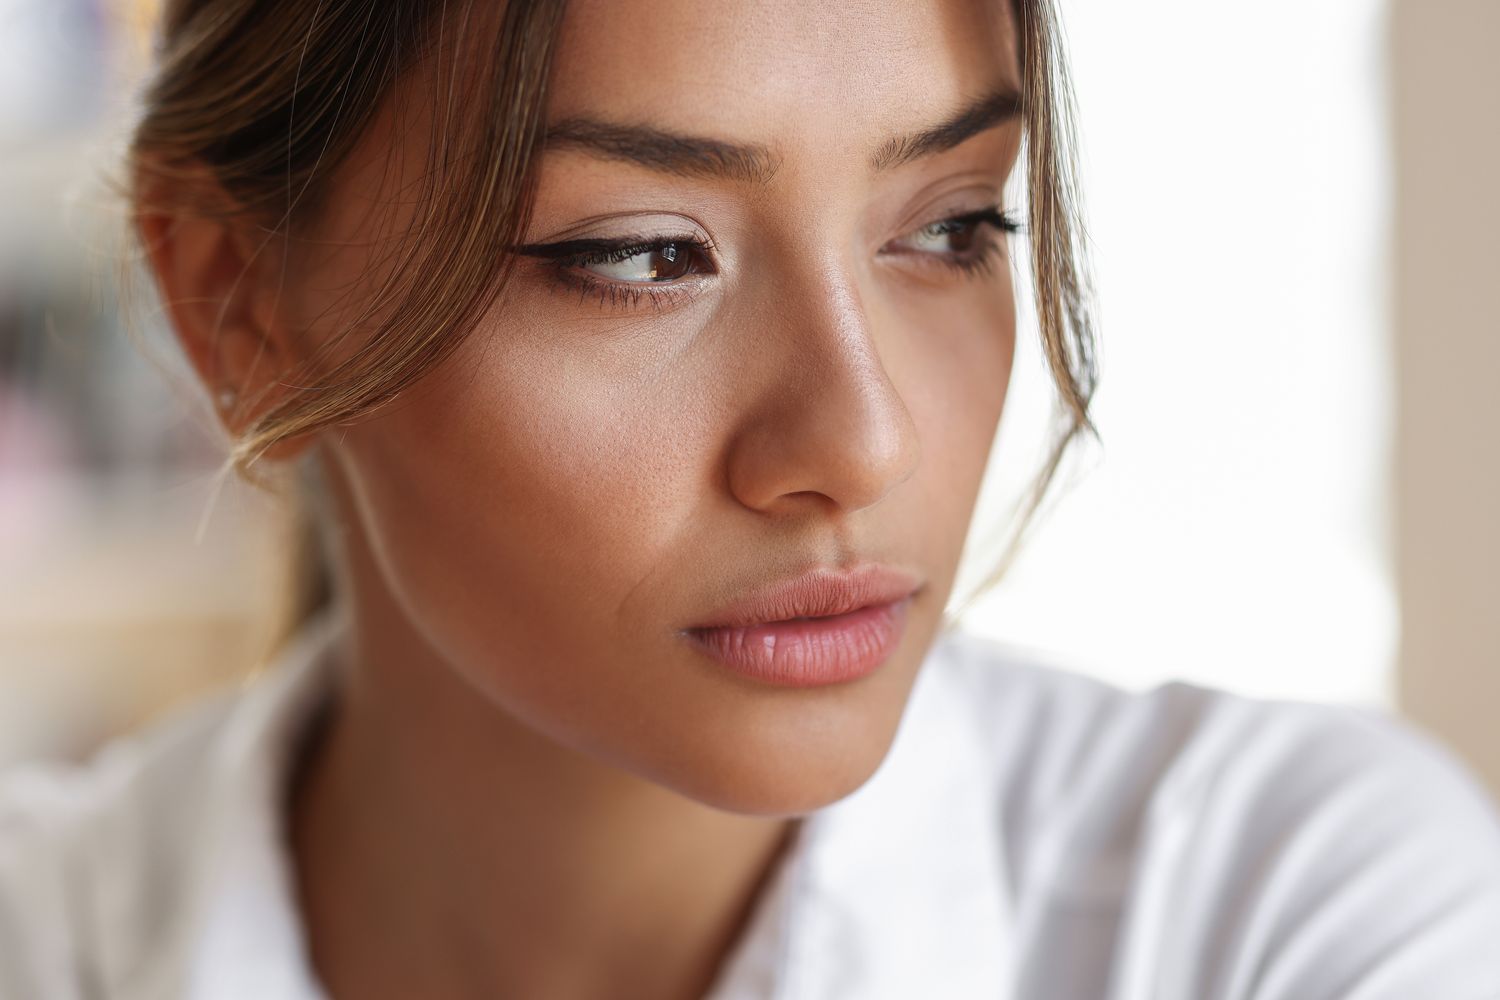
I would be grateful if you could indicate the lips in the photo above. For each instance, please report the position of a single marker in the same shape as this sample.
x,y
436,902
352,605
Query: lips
x,y
817,594
824,627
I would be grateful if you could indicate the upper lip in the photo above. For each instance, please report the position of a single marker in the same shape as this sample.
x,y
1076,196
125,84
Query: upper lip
x,y
815,594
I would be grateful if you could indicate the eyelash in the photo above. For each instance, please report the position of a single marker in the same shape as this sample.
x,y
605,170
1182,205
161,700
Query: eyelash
x,y
565,260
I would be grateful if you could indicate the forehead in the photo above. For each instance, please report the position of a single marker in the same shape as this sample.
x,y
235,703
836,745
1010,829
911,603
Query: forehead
x,y
780,71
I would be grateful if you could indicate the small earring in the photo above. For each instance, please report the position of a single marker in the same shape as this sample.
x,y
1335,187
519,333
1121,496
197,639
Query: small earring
x,y
226,398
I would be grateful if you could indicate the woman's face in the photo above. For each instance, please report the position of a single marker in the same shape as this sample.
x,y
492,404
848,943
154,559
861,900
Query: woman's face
x,y
809,376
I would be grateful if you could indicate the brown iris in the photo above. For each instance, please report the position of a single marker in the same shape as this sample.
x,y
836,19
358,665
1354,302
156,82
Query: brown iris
x,y
669,262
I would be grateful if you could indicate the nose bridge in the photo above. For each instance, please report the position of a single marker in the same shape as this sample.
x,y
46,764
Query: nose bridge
x,y
835,343
829,419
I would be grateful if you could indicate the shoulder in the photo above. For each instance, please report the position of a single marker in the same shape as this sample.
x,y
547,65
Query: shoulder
x,y
1132,759
1232,845
93,855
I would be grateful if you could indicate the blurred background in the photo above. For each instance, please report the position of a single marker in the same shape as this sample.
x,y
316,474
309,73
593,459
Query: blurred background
x,y
1292,207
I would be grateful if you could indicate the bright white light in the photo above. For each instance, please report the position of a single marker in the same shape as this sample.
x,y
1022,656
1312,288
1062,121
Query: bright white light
x,y
1233,532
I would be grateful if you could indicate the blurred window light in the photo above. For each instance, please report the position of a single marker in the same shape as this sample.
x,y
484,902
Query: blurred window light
x,y
111,609
1233,530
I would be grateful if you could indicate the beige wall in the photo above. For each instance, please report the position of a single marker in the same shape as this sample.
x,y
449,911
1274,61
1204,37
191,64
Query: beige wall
x,y
1446,104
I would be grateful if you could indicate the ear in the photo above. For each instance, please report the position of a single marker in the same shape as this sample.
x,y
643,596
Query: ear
x,y
212,265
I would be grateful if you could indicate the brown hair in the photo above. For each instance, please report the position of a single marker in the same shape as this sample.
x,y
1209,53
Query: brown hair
x,y
272,97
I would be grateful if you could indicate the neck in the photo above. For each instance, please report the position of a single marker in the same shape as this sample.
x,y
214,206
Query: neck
x,y
444,848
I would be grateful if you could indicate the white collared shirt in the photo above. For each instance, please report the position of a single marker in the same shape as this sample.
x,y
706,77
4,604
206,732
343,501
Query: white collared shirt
x,y
1031,835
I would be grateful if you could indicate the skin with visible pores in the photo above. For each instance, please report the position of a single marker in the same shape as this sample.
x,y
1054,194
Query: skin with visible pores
x,y
532,785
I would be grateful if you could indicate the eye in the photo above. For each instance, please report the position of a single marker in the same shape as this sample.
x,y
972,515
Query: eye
x,y
948,236
960,240
657,270
665,261
631,260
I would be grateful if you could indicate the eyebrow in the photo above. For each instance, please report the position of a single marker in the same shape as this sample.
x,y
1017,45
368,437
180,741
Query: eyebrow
x,y
979,115
668,152
697,156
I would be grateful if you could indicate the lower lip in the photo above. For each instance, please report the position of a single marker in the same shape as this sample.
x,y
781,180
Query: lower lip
x,y
809,652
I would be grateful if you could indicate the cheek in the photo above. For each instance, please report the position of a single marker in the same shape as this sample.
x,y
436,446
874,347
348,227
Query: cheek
x,y
512,472
526,509
953,371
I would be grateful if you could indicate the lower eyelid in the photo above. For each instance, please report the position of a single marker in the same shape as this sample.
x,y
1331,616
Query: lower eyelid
x,y
973,263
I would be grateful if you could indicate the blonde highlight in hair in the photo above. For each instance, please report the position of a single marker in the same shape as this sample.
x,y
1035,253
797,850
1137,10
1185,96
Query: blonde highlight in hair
x,y
271,98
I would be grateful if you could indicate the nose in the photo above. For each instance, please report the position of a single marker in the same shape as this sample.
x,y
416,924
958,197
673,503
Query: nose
x,y
826,423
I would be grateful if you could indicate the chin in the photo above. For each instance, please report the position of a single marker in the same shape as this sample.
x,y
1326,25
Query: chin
x,y
786,766
785,752
778,794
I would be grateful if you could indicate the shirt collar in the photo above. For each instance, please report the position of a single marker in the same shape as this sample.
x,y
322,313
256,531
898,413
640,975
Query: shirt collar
x,y
896,890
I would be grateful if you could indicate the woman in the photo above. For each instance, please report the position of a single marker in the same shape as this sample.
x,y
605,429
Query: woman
x,y
650,356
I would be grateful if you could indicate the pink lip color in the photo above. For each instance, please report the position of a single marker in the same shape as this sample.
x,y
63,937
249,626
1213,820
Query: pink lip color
x,y
809,651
